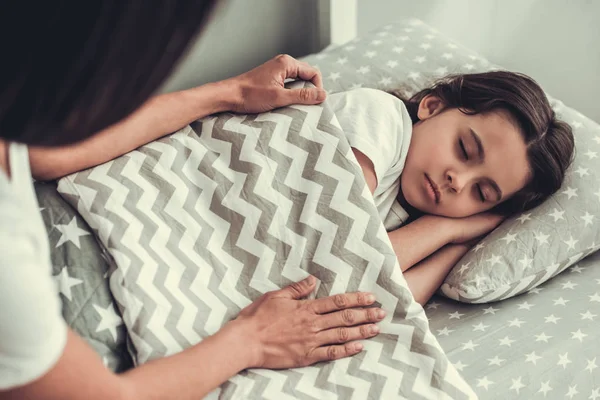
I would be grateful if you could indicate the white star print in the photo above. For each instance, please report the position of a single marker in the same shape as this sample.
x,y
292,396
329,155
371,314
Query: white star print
x,y
572,391
460,366
516,322
429,36
342,60
70,232
385,81
493,260
591,154
425,46
490,310
334,76
524,217
557,215
591,365
509,237
478,247
469,345
578,335
576,124
383,34
536,290
597,139
577,268
545,388
64,283
552,318
525,306
582,172
587,218
455,315
452,45
464,267
321,56
495,361
445,331
532,357
571,242
526,262
447,56
587,315
108,320
364,70
542,337
419,59
414,75
433,305
598,194
563,360
595,394
398,49
469,66
517,385
392,64
356,86
441,71
561,302
485,382
541,238
370,54
569,285
506,341
404,38
480,327
571,192
349,47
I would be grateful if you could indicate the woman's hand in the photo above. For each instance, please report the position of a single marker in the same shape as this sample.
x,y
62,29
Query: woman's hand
x,y
474,227
284,331
262,89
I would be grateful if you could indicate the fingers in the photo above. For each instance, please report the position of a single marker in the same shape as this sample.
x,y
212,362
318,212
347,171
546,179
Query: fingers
x,y
342,301
299,69
346,334
298,290
350,317
303,96
329,353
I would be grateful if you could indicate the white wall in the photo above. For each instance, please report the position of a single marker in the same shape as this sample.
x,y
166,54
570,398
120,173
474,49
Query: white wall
x,y
245,33
557,42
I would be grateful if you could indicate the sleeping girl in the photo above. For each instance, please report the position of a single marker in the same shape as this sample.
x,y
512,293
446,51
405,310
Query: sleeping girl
x,y
448,165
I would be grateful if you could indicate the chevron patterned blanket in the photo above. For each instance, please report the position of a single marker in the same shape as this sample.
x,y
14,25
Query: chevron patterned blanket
x,y
207,219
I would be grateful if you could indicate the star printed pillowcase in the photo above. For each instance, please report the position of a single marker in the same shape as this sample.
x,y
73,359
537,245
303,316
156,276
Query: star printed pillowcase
x,y
526,250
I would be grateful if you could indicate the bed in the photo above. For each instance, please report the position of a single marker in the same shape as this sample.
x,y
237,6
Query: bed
x,y
541,344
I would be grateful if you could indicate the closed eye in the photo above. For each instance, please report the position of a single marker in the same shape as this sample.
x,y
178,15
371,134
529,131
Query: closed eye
x,y
464,150
481,196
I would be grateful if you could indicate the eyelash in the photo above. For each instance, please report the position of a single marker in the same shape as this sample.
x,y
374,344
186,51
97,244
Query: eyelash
x,y
466,156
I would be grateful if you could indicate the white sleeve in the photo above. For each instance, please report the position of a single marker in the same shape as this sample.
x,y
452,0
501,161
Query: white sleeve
x,y
32,331
372,121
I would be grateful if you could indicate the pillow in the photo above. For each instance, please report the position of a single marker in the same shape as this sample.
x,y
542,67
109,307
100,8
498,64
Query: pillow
x,y
79,268
526,250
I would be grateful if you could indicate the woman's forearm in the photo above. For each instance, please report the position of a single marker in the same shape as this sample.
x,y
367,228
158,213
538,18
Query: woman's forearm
x,y
161,115
422,237
428,275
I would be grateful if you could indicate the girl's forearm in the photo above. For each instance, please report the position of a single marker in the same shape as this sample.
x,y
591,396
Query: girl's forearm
x,y
422,237
159,116
428,275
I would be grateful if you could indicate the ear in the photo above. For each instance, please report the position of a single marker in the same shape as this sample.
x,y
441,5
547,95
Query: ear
x,y
429,106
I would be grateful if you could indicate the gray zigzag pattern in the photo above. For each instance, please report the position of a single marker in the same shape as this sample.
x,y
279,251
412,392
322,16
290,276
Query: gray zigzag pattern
x,y
268,211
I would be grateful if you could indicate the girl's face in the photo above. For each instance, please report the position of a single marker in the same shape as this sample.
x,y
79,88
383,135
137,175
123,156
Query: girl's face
x,y
460,165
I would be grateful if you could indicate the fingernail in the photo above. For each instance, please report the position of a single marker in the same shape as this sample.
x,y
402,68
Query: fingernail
x,y
311,280
374,329
370,298
381,314
358,346
321,94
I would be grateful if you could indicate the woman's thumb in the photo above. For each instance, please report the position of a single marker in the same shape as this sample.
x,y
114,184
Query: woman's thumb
x,y
300,289
306,95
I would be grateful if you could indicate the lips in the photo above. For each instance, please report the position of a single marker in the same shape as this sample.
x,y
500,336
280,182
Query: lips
x,y
434,188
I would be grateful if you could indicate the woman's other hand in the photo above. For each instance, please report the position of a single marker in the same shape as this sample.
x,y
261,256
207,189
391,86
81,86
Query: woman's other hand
x,y
474,227
284,331
262,89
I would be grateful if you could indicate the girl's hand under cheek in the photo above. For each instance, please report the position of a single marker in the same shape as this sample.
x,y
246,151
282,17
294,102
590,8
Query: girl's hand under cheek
x,y
474,227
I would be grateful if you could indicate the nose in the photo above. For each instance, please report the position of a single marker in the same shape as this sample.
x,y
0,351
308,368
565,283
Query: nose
x,y
456,181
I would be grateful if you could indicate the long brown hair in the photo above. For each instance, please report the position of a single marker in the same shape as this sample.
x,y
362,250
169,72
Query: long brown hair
x,y
70,68
549,141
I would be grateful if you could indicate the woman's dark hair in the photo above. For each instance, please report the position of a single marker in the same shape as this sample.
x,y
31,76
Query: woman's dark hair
x,y
72,68
549,142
